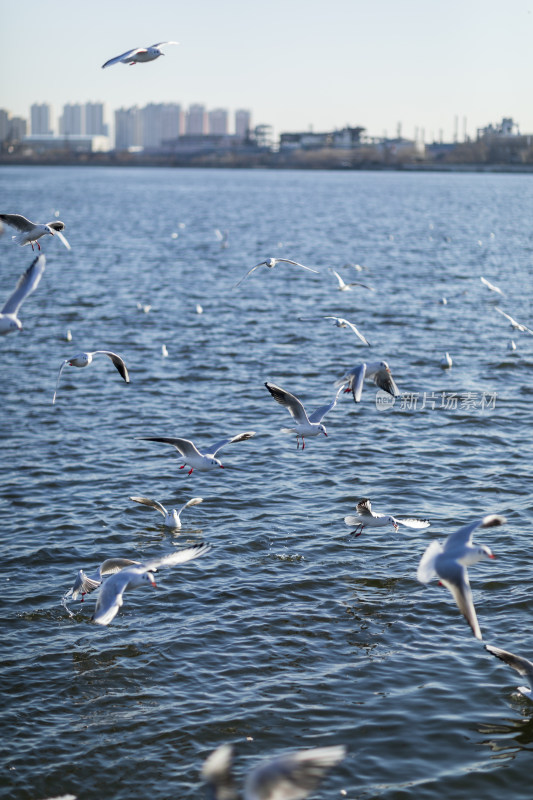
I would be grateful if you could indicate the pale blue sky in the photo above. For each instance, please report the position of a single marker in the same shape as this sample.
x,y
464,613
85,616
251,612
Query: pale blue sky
x,y
293,63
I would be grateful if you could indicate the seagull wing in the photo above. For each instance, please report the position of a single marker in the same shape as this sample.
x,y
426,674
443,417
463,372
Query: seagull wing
x,y
364,508
491,286
426,568
370,288
162,44
110,597
354,329
341,282
292,776
217,772
84,584
511,320
289,401
26,284
124,57
17,221
62,239
249,273
321,412
297,264
117,361
179,557
455,577
193,502
240,437
464,535
521,665
356,379
112,565
185,446
409,522
145,501
61,368
383,378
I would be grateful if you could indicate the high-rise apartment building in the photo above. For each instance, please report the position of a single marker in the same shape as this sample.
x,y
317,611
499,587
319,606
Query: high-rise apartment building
x,y
72,121
128,128
243,123
4,124
218,121
196,121
41,119
162,122
94,120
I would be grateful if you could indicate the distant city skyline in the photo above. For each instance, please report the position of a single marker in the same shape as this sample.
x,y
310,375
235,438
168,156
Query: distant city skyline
x,y
298,65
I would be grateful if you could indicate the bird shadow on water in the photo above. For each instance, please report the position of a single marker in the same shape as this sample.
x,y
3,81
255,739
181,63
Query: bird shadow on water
x,y
510,736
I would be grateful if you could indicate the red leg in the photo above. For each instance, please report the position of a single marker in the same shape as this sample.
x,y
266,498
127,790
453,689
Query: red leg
x,y
190,471
182,466
38,245
32,247
303,443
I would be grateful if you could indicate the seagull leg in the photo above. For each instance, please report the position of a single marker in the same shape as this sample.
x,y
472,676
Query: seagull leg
x,y
297,443
32,247
182,466
190,471
38,245
347,390
303,443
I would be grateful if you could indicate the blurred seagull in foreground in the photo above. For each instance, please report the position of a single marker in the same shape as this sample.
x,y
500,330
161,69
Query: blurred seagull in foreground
x,y
172,518
514,324
192,456
271,263
110,596
448,562
521,665
340,323
347,287
376,371
366,518
84,359
31,231
491,286
292,776
26,284
305,425
139,55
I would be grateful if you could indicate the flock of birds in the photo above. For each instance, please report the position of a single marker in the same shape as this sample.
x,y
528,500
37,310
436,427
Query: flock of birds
x,y
296,774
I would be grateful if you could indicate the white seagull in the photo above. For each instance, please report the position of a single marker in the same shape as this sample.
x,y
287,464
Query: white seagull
x,y
347,287
377,371
271,263
85,584
84,359
521,665
449,562
305,425
366,518
192,456
138,55
446,361
491,286
26,284
340,322
172,518
110,596
31,231
514,324
292,776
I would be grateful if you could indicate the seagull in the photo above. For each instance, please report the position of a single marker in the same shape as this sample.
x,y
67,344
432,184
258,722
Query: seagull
x,y
84,359
340,322
138,55
521,665
271,263
449,562
292,776
347,287
511,345
446,361
366,518
26,284
85,584
192,456
514,324
377,371
172,518
491,286
305,425
31,231
222,238
110,596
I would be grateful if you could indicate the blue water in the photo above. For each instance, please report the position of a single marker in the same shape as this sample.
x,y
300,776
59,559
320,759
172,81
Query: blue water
x,y
290,633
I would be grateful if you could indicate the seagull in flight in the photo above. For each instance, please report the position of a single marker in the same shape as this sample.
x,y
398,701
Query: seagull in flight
x,y
85,584
192,456
347,287
139,55
26,284
271,263
304,425
366,518
340,322
172,518
521,665
491,286
377,371
31,231
449,562
84,359
292,776
110,596
514,324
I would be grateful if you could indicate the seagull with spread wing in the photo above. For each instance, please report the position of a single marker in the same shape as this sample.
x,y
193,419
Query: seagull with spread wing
x,y
31,231
192,456
84,359
376,371
366,518
271,263
139,55
304,425
340,322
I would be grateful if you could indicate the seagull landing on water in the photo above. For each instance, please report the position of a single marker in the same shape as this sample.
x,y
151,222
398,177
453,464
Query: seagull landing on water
x,y
172,518
340,323
31,231
292,776
521,665
27,283
514,324
448,562
305,425
110,597
347,287
85,584
366,518
192,456
271,263
139,55
376,371
84,359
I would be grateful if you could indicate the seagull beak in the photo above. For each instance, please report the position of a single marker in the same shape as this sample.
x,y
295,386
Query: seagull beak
x,y
325,434
222,466
153,583
492,555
